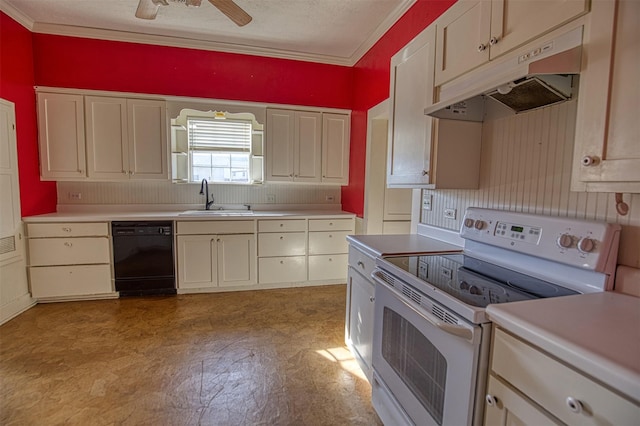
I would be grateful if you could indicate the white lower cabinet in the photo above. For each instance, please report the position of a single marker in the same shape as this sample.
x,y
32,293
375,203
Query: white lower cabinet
x,y
527,386
215,260
69,260
360,308
328,248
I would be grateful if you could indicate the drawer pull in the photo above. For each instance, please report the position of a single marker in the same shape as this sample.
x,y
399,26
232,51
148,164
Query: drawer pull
x,y
330,223
360,264
372,299
281,225
282,238
68,244
574,405
491,400
282,262
330,236
66,229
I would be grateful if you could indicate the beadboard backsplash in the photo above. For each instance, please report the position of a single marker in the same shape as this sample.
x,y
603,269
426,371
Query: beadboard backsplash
x,y
148,192
526,167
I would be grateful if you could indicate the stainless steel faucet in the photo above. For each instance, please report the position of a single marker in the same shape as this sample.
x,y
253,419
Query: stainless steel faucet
x,y
204,189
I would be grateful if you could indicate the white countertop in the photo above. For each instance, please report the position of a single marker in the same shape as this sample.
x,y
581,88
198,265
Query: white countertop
x,y
596,333
401,244
83,216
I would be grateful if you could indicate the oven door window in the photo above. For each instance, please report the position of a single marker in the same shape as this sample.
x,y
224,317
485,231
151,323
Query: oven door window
x,y
405,349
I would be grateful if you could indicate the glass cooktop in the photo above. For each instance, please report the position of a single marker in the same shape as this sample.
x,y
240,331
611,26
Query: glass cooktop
x,y
473,281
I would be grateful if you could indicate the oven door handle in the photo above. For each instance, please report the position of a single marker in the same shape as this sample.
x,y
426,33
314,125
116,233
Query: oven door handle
x,y
455,330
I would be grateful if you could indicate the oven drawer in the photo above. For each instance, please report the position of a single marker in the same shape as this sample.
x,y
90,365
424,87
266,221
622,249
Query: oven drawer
x,y
361,262
282,269
291,225
282,244
331,225
328,267
41,230
328,242
60,281
550,383
68,251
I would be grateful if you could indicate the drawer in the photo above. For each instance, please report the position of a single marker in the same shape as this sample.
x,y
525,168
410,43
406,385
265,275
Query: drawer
x,y
61,281
328,267
68,251
328,242
43,230
361,262
292,225
331,225
549,383
282,244
215,227
282,269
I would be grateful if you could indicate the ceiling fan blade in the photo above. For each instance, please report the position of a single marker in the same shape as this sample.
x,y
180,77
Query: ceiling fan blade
x,y
147,9
233,11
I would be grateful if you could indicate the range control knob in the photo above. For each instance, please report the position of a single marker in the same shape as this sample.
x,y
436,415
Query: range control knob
x,y
480,225
474,290
565,241
468,222
586,245
464,285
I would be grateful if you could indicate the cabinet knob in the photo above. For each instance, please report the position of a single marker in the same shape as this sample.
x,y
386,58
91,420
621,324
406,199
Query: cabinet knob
x,y
493,41
425,173
574,405
590,160
360,264
281,225
282,262
372,299
491,400
330,236
68,244
482,47
66,229
282,238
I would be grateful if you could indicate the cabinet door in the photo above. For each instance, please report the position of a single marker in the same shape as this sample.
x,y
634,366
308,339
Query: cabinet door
x,y
335,148
236,260
307,160
107,146
280,144
147,122
197,261
506,407
515,22
61,136
463,34
409,150
361,318
607,151
9,189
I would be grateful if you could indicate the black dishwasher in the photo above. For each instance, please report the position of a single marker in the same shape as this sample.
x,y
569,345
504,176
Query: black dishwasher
x,y
143,258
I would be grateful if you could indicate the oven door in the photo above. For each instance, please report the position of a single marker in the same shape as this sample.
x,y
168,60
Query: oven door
x,y
428,364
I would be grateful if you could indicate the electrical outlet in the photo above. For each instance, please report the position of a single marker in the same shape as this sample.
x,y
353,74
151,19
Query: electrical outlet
x,y
75,195
426,202
329,198
450,213
271,198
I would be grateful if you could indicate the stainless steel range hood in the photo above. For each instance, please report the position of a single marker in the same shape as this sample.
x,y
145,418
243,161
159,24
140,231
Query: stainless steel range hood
x,y
533,77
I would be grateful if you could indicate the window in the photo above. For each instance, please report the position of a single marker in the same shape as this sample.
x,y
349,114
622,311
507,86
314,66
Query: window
x,y
219,149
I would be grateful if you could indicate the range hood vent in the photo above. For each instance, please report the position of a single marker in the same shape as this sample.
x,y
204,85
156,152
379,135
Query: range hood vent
x,y
528,79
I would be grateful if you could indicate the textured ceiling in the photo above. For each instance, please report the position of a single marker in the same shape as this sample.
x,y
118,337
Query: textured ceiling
x,y
330,31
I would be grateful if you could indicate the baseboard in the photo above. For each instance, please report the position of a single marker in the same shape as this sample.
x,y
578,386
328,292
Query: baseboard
x,y
16,307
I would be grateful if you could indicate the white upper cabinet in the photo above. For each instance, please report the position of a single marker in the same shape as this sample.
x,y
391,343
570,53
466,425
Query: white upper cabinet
x,y
473,32
335,148
61,136
307,146
607,149
126,138
411,91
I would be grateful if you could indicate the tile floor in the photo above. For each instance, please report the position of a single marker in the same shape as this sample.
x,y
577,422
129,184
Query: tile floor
x,y
269,357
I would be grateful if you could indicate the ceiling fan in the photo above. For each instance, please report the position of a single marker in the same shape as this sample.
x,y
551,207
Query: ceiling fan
x,y
148,9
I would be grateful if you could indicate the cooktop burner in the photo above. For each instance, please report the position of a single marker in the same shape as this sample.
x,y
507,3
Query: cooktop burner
x,y
473,281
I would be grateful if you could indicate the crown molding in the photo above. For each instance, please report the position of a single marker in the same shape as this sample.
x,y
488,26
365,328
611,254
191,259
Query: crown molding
x,y
16,15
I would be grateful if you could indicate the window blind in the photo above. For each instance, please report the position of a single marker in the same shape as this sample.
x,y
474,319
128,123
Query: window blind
x,y
208,134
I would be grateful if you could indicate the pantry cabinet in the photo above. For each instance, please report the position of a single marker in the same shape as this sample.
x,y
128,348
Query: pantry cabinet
x,y
423,151
126,138
607,150
213,255
61,136
307,146
473,32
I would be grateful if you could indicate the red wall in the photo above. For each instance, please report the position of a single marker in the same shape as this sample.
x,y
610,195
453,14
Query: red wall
x,y
371,86
16,85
